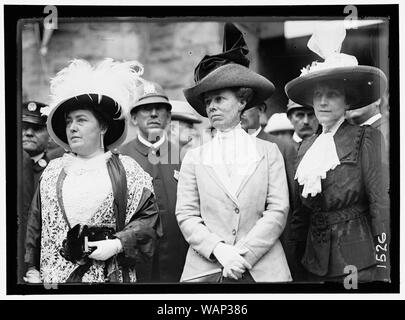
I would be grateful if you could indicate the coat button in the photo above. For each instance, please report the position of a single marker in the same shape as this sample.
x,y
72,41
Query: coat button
x,y
236,210
233,232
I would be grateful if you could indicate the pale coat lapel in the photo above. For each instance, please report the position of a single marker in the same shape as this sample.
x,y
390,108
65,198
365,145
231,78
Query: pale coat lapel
x,y
249,172
249,159
215,166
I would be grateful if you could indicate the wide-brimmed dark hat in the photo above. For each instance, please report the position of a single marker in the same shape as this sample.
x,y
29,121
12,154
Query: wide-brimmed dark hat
x,y
106,107
151,93
32,113
363,84
228,69
108,89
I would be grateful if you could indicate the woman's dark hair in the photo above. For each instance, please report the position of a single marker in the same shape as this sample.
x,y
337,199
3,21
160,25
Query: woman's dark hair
x,y
350,94
243,94
102,120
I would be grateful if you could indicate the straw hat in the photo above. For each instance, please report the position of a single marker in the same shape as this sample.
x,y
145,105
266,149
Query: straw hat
x,y
182,111
278,122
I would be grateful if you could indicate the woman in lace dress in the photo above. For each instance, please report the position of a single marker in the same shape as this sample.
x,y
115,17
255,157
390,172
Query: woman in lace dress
x,y
89,185
343,194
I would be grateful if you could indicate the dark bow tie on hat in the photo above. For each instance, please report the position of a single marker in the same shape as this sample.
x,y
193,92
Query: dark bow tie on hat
x,y
234,49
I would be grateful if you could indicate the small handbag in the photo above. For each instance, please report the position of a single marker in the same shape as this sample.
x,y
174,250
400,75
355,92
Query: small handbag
x,y
213,276
75,247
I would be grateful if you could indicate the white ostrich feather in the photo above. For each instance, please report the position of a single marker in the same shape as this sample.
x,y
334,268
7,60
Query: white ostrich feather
x,y
117,80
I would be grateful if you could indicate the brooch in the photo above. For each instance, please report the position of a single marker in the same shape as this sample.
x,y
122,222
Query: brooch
x,y
42,163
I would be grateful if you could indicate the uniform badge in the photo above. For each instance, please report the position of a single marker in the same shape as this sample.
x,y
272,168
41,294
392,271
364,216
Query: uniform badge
x,y
42,163
32,106
149,88
176,175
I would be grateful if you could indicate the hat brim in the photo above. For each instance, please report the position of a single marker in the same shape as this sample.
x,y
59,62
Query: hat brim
x,y
185,117
228,76
364,84
40,121
298,107
152,100
109,109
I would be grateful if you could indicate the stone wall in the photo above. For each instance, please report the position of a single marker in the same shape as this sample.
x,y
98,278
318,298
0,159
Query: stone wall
x,y
168,51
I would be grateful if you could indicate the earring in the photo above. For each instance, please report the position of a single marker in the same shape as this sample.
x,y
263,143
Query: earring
x,y
102,140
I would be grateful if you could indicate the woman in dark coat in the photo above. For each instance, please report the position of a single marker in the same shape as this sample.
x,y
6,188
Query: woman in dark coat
x,y
343,203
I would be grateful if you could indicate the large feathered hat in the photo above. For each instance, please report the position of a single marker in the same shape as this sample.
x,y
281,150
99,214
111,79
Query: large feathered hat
x,y
225,70
363,84
109,88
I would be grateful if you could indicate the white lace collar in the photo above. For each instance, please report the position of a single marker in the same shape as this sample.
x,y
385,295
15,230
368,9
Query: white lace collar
x,y
73,164
320,158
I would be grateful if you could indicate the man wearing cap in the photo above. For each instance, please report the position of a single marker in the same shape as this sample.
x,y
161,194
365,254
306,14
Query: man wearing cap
x,y
35,137
182,130
160,158
303,120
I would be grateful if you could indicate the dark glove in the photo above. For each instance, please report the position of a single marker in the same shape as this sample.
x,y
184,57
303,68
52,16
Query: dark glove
x,y
75,248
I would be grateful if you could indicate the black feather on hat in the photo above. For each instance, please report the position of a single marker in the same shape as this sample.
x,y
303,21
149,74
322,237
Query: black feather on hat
x,y
225,70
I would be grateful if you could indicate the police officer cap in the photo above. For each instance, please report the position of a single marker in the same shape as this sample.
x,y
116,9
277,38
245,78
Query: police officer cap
x,y
32,113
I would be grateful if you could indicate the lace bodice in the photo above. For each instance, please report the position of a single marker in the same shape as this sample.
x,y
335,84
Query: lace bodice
x,y
86,186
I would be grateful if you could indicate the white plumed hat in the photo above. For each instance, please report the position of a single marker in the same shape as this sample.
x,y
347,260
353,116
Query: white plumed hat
x,y
110,88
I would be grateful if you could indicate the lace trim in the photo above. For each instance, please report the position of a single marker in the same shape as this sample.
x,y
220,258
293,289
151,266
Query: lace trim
x,y
53,267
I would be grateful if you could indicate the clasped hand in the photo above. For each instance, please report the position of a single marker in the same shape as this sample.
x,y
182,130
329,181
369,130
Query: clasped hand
x,y
105,249
231,259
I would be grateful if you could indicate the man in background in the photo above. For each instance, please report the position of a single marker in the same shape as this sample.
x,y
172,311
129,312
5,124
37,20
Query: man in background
x,y
303,120
160,159
279,126
250,122
35,137
182,127
35,140
371,115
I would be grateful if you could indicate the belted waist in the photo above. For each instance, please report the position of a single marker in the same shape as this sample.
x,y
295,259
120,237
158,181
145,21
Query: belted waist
x,y
324,219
